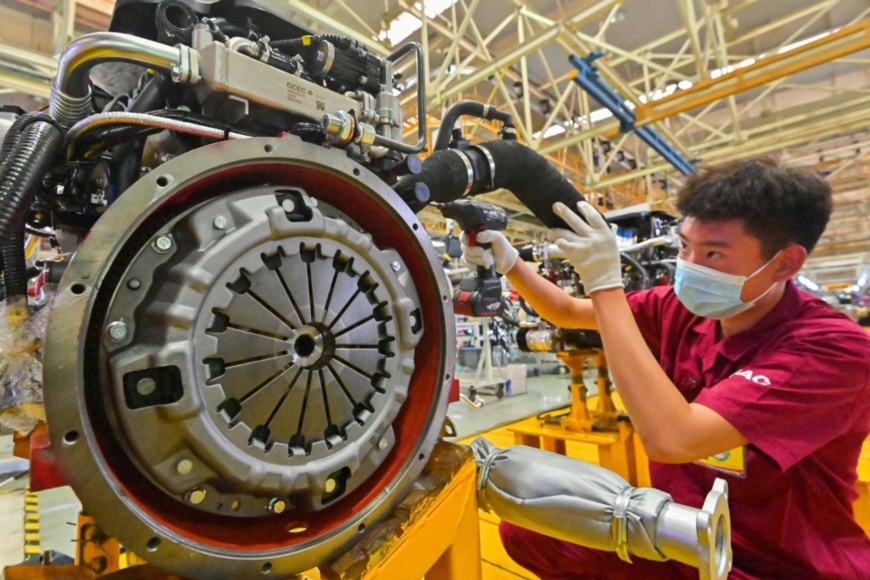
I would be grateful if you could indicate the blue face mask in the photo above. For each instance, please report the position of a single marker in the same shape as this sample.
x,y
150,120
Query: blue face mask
x,y
710,293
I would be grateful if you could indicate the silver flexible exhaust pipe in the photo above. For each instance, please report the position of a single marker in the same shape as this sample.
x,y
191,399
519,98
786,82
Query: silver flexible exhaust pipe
x,y
579,502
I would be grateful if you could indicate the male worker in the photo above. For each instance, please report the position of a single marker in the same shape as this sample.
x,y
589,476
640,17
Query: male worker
x,y
733,358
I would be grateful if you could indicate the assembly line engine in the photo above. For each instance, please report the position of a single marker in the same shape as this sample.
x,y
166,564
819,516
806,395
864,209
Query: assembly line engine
x,y
251,338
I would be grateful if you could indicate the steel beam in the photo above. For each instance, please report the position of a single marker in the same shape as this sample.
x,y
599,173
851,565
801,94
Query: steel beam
x,y
63,19
25,84
843,42
508,59
39,61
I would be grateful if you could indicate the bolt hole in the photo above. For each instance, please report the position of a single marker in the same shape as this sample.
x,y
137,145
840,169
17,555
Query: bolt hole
x,y
444,298
267,567
421,457
361,528
356,171
162,181
152,544
268,148
297,528
447,377
71,437
78,289
304,345
416,227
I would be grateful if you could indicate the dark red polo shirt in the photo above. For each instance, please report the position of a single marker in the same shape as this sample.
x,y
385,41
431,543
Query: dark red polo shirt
x,y
797,385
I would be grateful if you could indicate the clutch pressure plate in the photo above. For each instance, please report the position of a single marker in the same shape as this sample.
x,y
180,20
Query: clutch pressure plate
x,y
248,359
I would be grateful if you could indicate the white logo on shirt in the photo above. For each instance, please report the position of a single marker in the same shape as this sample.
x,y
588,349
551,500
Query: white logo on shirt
x,y
757,379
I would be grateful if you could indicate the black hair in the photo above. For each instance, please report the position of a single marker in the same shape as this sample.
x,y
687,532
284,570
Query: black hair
x,y
778,205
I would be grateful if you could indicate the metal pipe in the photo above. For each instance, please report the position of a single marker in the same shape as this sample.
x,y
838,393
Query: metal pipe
x,y
422,122
71,93
657,241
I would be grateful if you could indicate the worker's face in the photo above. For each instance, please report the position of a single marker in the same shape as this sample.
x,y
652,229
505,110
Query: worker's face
x,y
726,246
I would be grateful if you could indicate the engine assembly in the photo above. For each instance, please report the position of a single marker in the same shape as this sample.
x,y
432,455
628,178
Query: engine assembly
x,y
251,337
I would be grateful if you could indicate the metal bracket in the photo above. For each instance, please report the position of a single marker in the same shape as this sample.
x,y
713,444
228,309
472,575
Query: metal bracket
x,y
587,77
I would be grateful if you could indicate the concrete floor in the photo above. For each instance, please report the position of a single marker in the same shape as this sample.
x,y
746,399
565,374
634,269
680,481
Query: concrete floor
x,y
58,508
544,393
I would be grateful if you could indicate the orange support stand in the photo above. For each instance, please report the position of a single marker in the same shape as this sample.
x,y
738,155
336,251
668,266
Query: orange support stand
x,y
434,532
619,448
439,537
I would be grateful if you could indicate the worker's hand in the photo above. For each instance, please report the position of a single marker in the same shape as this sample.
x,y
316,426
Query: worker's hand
x,y
591,247
502,254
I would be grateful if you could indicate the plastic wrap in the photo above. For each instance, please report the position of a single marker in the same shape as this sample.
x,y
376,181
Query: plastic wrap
x,y
22,332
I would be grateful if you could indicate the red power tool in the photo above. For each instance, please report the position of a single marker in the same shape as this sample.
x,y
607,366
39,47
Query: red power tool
x,y
478,295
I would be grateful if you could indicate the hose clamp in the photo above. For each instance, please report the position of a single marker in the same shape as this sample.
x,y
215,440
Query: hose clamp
x,y
620,524
468,167
489,158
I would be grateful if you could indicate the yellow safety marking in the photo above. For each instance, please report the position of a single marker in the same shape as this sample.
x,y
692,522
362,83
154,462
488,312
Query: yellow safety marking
x,y
306,41
31,524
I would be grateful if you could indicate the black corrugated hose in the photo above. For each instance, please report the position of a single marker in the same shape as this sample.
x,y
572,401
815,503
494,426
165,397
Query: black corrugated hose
x,y
23,169
13,133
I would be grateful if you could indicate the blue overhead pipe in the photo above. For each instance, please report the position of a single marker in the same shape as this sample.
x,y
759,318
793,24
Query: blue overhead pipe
x,y
588,78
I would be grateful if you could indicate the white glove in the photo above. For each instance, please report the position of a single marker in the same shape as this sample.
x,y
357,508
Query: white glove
x,y
593,252
502,254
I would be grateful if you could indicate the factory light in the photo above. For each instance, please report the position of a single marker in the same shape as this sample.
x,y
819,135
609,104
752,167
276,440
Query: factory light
x,y
406,24
551,131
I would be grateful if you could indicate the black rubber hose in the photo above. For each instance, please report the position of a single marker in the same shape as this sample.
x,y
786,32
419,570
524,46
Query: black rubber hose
x,y
630,266
20,177
525,173
127,158
470,109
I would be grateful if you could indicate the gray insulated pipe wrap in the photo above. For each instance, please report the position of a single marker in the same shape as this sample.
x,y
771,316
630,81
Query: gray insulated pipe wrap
x,y
504,164
567,499
20,178
586,504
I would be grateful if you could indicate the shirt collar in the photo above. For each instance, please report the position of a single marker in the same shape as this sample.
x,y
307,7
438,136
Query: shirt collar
x,y
736,346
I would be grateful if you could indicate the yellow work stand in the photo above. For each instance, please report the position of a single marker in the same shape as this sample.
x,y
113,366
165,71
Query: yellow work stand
x,y
616,451
438,535
433,532
619,447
